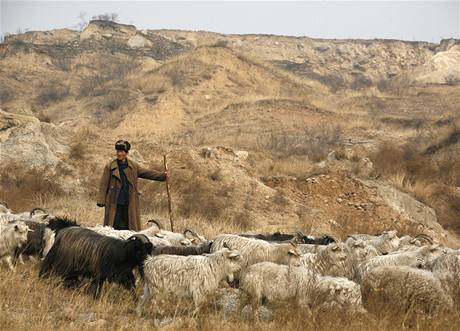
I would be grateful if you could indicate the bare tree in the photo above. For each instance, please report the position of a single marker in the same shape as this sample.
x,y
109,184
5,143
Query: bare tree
x,y
83,22
113,17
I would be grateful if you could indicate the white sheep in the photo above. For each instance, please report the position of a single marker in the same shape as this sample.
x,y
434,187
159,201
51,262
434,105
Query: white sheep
x,y
255,250
335,260
151,233
336,292
417,258
385,243
188,237
12,237
404,290
361,250
271,282
188,277
274,283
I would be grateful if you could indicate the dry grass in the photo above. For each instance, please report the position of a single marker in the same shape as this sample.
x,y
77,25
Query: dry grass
x,y
27,186
430,179
32,304
315,143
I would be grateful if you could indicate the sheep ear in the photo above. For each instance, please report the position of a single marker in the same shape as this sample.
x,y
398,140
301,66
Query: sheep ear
x,y
335,248
225,245
159,235
185,242
16,228
293,252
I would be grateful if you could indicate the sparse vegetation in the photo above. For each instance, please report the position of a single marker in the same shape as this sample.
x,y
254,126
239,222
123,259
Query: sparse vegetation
x,y
52,93
426,177
187,91
27,185
315,143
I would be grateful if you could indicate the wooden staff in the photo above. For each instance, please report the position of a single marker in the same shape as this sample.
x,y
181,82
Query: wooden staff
x,y
169,194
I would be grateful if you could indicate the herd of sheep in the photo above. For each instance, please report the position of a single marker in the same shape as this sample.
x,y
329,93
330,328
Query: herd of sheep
x,y
363,273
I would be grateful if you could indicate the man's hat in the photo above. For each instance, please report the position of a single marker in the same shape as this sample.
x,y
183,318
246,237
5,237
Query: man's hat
x,y
122,145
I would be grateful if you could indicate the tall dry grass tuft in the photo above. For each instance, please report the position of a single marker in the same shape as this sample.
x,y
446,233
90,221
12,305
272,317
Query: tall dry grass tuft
x,y
24,187
428,177
315,143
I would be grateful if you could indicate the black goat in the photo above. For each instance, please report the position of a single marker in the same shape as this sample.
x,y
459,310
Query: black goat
x,y
299,238
203,248
79,252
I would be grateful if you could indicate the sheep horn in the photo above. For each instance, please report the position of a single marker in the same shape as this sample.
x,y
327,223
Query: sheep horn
x,y
420,225
191,231
157,223
2,202
293,242
32,212
426,237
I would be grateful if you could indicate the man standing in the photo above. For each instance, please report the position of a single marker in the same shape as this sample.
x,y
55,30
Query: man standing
x,y
118,189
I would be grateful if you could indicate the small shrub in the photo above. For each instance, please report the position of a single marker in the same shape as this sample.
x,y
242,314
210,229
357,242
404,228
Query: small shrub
x,y
216,175
42,117
51,94
22,186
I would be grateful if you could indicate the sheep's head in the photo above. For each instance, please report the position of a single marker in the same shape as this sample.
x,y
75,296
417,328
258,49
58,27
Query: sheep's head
x,y
390,234
232,263
427,254
361,250
336,252
299,238
289,253
20,232
294,255
4,209
193,237
409,241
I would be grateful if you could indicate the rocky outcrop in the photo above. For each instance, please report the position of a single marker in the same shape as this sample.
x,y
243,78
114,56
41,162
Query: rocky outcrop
x,y
26,140
410,209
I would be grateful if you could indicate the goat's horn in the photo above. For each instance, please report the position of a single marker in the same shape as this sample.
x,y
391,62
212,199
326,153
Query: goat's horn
x,y
157,223
425,236
32,212
191,231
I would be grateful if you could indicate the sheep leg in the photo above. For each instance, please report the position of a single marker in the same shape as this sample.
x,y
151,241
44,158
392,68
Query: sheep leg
x,y
96,287
145,298
9,262
20,259
197,300
129,283
255,304
71,280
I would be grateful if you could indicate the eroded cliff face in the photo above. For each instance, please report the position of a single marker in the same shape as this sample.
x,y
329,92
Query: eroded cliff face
x,y
285,102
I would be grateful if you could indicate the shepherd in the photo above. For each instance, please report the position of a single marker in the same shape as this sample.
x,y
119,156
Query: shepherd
x,y
118,189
